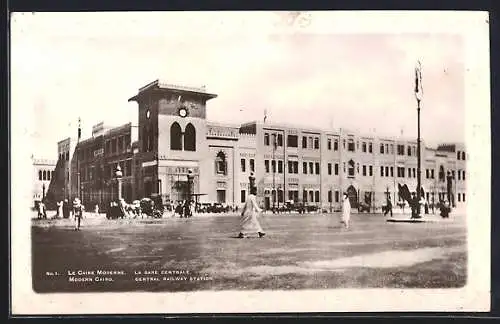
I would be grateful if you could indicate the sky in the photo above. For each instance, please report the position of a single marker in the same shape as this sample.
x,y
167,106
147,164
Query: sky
x,y
70,65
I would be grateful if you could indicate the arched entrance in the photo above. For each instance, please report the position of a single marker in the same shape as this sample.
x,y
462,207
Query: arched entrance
x,y
353,196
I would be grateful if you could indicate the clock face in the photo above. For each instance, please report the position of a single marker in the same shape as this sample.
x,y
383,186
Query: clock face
x,y
183,112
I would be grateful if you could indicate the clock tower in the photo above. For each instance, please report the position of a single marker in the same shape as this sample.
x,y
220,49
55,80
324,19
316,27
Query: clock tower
x,y
172,139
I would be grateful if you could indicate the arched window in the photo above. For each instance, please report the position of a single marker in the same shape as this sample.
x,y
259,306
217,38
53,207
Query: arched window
x,y
44,177
175,137
48,175
220,163
190,138
463,156
351,168
40,175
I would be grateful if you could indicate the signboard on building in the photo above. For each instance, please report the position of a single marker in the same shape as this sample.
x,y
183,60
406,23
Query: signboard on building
x,y
98,129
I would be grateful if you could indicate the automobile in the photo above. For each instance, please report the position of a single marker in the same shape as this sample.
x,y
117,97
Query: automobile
x,y
363,207
218,208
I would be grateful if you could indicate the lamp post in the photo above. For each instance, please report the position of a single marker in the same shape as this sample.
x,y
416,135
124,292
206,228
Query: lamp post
x,y
190,178
118,175
449,178
251,180
418,96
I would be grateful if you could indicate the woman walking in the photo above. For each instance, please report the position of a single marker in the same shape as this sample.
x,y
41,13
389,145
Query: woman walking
x,y
249,222
346,210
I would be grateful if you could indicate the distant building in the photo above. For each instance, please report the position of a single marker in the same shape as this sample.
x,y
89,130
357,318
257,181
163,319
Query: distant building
x,y
307,165
43,173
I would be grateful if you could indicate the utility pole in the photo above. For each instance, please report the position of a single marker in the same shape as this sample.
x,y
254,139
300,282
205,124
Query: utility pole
x,y
274,173
79,190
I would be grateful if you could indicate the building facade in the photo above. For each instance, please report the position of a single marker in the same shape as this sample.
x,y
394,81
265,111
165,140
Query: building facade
x,y
308,165
43,173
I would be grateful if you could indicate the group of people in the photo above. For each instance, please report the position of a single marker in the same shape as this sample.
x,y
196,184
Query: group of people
x,y
249,219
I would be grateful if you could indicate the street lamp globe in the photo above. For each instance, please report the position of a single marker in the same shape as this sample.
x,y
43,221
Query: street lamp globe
x,y
118,171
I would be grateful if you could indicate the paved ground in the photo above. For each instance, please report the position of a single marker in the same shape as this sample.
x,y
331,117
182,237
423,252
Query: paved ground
x,y
300,251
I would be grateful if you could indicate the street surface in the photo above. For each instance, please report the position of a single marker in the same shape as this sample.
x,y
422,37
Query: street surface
x,y
203,253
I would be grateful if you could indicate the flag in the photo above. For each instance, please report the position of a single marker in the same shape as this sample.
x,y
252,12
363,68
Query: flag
x,y
419,91
79,129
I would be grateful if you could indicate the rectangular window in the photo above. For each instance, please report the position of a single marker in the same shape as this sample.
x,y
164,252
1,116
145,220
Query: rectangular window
x,y
304,167
113,145
458,155
120,144
401,149
335,145
266,164
243,165
414,173
280,140
311,168
296,167
337,198
336,169
370,148
409,150
273,164
311,196
402,172
292,141
459,196
381,148
304,196
243,196
453,174
317,167
386,148
316,195
463,176
329,144
432,173
351,146
463,197
364,170
386,171
252,165
371,171
266,139
329,196
304,142
129,167
392,171
280,166
381,171
392,148
316,143
363,147
290,166
427,173
459,173
409,172
329,169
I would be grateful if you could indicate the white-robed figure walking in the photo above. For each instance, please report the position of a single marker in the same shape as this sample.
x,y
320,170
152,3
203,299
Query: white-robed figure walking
x,y
249,216
346,210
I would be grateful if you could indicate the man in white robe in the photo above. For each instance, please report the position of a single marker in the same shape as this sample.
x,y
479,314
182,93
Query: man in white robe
x,y
346,210
248,221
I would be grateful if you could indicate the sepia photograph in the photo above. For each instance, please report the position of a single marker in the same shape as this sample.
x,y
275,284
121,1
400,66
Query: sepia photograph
x,y
226,162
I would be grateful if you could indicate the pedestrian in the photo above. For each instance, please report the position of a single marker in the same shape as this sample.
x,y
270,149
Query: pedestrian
x,y
414,205
59,209
96,209
388,207
248,221
40,209
78,209
346,210
66,209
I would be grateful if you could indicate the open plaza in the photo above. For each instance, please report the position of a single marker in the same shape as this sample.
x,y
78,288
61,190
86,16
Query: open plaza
x,y
300,251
